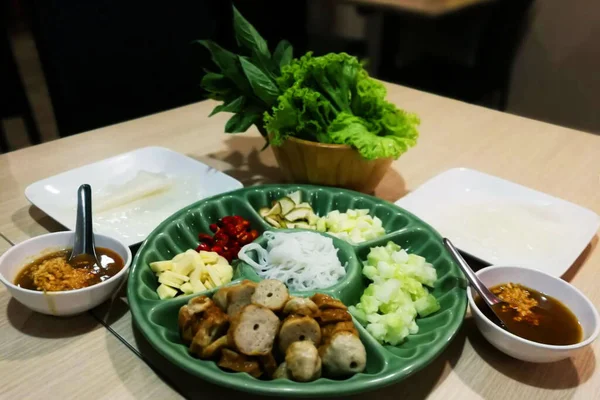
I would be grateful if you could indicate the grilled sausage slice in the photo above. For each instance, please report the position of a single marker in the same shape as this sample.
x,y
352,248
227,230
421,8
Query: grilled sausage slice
x,y
270,293
333,315
240,363
343,355
301,306
253,330
327,331
324,302
239,297
214,323
303,361
215,348
295,329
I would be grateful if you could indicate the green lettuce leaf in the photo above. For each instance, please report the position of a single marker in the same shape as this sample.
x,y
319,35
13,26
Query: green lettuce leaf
x,y
332,99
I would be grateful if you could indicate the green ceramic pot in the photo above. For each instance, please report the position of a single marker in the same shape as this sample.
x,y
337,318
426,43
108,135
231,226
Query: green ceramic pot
x,y
157,319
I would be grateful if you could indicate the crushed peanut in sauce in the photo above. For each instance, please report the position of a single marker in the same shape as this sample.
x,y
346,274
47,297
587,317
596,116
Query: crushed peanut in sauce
x,y
53,272
520,300
57,274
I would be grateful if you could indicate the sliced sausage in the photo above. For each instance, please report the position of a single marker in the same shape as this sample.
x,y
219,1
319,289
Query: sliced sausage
x,y
220,298
301,306
198,304
188,323
240,363
215,348
214,323
343,355
303,361
253,330
333,315
270,293
239,297
296,328
327,331
190,316
282,372
268,364
324,302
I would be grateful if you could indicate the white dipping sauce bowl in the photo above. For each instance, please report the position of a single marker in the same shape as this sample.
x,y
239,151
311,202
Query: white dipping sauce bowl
x,y
63,303
528,350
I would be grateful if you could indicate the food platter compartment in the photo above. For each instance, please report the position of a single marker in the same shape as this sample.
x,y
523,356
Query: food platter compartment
x,y
163,318
346,289
449,291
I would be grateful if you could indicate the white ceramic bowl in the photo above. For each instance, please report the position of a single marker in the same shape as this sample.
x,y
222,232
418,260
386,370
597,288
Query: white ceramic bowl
x,y
63,303
527,350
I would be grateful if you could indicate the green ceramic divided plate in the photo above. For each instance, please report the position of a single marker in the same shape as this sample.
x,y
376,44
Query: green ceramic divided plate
x,y
157,319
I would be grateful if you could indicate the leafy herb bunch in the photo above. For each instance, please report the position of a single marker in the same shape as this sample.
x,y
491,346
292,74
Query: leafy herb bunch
x,y
246,83
326,99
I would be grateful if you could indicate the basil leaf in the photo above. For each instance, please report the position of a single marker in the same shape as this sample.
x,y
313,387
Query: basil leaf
x,y
216,83
263,87
283,54
248,37
240,122
266,65
234,106
228,62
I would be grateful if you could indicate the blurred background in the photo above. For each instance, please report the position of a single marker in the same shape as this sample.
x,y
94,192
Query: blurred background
x,y
68,66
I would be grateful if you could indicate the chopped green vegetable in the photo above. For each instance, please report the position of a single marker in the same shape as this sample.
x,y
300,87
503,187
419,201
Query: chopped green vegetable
x,y
332,99
389,306
328,99
354,226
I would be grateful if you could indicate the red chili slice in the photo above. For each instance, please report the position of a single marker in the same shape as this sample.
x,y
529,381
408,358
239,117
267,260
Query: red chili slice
x,y
203,247
230,234
203,237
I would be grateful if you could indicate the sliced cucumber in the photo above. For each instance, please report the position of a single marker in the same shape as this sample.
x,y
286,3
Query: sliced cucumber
x,y
281,221
297,213
296,197
313,219
276,210
273,222
286,204
321,225
302,225
304,205
264,211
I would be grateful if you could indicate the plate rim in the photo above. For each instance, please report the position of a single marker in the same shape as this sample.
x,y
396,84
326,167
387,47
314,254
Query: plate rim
x,y
261,387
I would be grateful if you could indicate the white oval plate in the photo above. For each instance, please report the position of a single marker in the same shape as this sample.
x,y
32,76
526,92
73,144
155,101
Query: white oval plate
x,y
503,223
117,184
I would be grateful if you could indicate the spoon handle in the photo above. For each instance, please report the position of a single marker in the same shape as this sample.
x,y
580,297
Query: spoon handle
x,y
483,291
84,232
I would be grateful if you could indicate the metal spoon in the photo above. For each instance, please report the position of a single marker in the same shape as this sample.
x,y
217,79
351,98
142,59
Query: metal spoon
x,y
84,250
488,297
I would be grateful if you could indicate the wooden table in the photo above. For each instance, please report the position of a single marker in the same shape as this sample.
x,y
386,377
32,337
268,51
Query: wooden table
x,y
99,354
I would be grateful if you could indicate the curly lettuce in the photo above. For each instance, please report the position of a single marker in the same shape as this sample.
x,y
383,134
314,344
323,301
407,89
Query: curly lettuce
x,y
332,99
